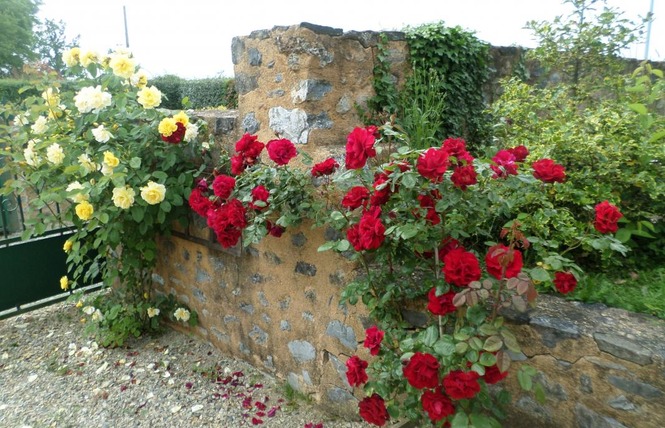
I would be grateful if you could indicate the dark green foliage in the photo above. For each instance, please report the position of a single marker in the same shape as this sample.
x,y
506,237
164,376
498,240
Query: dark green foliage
x,y
50,43
9,90
16,36
201,93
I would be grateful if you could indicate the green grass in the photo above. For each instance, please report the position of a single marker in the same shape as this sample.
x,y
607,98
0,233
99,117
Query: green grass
x,y
642,291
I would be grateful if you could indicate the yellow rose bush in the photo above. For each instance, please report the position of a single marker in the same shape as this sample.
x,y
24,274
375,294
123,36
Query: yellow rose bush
x,y
93,152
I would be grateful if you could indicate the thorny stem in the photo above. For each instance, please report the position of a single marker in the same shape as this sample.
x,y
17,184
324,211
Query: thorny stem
x,y
436,275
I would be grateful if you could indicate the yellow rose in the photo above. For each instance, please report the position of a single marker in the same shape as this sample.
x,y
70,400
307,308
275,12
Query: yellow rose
x,y
110,160
84,210
123,197
139,79
153,312
68,246
79,304
153,193
167,126
181,117
71,56
181,314
149,97
52,97
64,283
88,57
122,66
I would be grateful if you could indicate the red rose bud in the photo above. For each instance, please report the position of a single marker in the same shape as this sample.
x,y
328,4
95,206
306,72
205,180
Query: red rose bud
x,y
326,167
441,305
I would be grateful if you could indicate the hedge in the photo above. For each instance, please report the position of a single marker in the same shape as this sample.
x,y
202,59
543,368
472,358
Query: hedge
x,y
202,93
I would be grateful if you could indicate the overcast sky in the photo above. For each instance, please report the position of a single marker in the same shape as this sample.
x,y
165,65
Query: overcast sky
x,y
192,38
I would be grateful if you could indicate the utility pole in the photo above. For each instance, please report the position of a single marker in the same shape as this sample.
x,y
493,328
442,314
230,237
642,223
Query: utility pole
x,y
124,13
646,44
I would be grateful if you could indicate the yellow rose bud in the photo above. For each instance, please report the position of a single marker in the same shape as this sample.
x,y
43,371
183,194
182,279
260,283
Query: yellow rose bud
x,y
67,247
181,117
64,283
79,304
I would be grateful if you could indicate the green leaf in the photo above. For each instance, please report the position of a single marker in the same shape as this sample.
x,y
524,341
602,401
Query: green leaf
x,y
408,231
539,393
638,108
623,235
487,359
539,274
327,246
444,346
524,380
138,212
461,420
343,245
493,344
135,162
430,335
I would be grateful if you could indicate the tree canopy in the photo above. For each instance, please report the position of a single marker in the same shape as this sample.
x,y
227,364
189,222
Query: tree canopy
x,y
16,33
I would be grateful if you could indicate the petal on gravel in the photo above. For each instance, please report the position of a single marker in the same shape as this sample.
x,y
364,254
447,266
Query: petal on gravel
x,y
176,409
197,408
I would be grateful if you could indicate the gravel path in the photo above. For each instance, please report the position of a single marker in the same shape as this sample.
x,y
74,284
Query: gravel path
x,y
51,375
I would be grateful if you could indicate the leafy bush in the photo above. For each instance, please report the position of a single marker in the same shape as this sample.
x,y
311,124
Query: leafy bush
x,y
9,90
170,86
200,93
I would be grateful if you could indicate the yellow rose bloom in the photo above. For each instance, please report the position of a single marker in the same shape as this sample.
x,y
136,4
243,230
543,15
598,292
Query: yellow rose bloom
x,y
149,97
55,154
123,197
88,57
167,126
111,160
64,283
181,117
84,210
153,193
122,66
181,314
79,304
71,57
153,312
52,97
139,79
67,247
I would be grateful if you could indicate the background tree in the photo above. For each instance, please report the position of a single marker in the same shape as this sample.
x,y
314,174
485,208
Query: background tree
x,y
16,33
50,43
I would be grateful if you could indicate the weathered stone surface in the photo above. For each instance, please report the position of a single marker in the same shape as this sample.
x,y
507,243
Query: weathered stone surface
x,y
258,335
621,403
587,418
298,239
319,121
306,269
254,57
199,295
247,307
635,387
246,83
302,351
339,395
249,124
284,325
343,333
310,90
289,124
623,348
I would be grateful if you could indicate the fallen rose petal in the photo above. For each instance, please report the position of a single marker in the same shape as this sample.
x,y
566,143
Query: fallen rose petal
x,y
196,408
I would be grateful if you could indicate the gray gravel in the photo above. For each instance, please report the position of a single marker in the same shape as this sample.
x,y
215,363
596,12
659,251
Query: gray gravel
x,y
51,375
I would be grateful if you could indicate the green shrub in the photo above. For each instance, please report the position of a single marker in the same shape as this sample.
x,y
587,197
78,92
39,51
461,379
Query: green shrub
x,y
200,93
171,87
9,90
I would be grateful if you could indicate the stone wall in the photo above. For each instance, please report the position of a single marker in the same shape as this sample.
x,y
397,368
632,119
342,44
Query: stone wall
x,y
276,304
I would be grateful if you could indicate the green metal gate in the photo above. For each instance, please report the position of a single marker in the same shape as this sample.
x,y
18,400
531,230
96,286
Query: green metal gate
x,y
30,270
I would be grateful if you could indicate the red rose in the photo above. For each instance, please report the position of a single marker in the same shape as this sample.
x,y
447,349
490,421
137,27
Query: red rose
x,y
429,203
359,147
607,216
460,385
200,203
223,186
281,151
326,167
432,164
353,236
355,371
374,130
355,197
259,193
228,221
499,257
373,410
464,176
437,405
548,171
460,267
249,147
381,191
373,339
422,371
456,147
237,165
441,305
274,229
371,230
520,153
565,282
494,375
177,135
504,164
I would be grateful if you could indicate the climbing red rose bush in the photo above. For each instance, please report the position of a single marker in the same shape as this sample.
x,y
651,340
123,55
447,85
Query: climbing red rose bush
x,y
436,232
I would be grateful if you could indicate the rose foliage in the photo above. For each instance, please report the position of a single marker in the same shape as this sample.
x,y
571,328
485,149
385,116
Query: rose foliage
x,y
94,152
436,231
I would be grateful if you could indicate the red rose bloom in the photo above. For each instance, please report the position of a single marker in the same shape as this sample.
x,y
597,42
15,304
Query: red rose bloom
x,y
374,130
373,339
441,305
353,236
548,171
274,229
326,167
422,371
223,186
177,135
199,202
237,165
259,193
504,164
228,221
381,191
373,410
355,371
456,147
464,176
432,164
494,375
359,147
565,282
249,147
460,267
437,405
500,256
371,230
460,385
607,216
429,203
355,197
520,153
281,151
